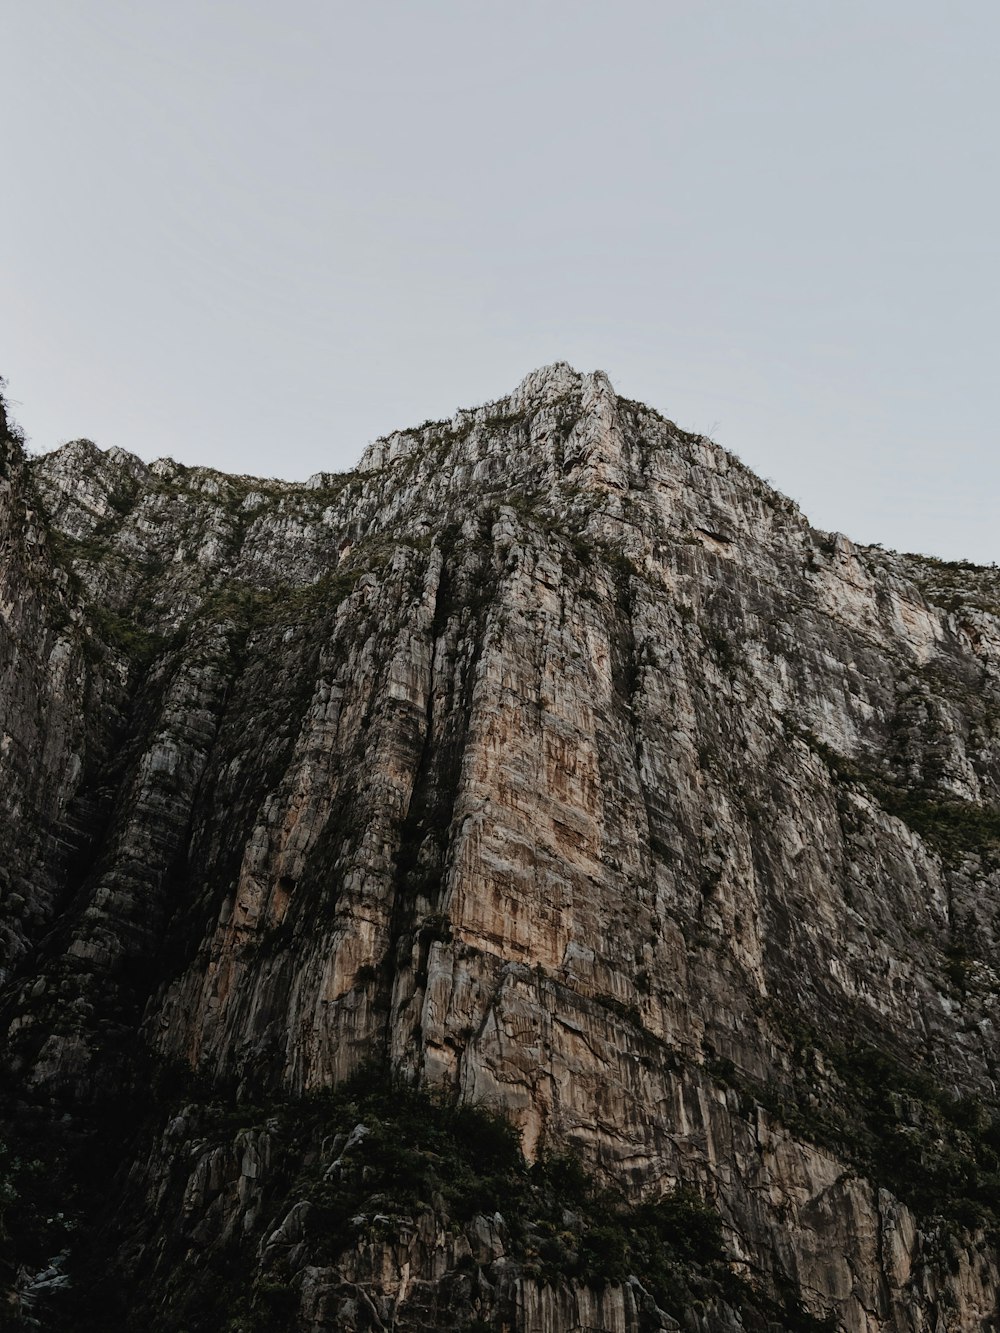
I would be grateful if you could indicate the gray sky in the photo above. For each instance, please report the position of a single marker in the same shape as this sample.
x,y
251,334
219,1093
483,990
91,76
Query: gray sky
x,y
257,236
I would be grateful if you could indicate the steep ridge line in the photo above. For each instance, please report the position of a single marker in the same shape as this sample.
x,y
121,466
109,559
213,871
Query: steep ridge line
x,y
548,763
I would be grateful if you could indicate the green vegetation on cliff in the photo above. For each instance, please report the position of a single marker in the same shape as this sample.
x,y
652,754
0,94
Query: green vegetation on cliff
x,y
367,1161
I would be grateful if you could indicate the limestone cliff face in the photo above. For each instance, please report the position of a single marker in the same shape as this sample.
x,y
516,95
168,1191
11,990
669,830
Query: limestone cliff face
x,y
551,759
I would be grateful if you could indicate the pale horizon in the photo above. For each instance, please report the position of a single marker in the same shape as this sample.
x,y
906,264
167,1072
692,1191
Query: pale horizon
x,y
256,240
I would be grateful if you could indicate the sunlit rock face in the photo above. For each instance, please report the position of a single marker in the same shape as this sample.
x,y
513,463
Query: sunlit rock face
x,y
550,760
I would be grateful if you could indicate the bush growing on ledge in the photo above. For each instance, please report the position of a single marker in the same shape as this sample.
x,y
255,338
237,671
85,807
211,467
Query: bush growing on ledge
x,y
952,827
937,1153
424,1152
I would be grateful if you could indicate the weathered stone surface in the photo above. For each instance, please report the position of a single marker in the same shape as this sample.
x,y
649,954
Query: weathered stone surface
x,y
550,757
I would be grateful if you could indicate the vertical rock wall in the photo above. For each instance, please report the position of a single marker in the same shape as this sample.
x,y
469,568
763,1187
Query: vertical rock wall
x,y
549,758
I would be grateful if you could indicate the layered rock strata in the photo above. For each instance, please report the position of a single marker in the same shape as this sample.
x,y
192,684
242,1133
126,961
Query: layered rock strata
x,y
548,759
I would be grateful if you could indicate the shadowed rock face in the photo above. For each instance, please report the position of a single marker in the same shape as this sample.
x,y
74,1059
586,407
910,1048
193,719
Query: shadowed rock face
x,y
549,759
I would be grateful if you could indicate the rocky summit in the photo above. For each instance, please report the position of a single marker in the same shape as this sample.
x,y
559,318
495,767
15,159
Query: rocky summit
x,y
532,882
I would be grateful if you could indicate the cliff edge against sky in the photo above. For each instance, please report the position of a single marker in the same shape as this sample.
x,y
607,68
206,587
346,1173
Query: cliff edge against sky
x,y
547,773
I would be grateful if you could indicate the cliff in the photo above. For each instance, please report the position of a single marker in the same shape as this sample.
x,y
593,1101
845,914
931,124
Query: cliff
x,y
534,881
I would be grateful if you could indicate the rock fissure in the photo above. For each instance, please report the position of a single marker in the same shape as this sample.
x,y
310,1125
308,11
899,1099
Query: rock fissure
x,y
548,763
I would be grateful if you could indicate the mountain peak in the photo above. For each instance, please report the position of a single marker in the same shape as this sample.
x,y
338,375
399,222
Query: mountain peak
x,y
554,381
551,763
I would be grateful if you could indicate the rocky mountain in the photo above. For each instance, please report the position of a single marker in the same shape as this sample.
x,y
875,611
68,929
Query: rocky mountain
x,y
534,881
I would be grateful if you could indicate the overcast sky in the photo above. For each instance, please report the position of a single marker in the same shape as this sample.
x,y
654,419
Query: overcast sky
x,y
256,236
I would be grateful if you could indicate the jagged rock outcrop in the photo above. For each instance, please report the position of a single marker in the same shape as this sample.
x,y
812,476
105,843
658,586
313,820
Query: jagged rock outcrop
x,y
550,759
